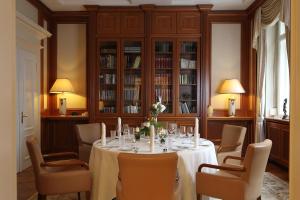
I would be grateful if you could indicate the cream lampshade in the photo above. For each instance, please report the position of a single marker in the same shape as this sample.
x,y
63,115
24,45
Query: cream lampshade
x,y
231,86
60,86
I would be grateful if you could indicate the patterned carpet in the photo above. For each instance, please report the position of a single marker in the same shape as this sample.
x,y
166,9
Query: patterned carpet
x,y
273,189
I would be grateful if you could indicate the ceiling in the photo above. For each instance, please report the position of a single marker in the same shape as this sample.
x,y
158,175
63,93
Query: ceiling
x,y
76,5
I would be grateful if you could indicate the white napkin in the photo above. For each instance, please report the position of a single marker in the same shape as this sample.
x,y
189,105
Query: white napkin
x,y
119,127
196,133
103,135
152,137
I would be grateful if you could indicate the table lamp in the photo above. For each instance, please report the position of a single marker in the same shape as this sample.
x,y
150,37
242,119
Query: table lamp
x,y
231,86
61,86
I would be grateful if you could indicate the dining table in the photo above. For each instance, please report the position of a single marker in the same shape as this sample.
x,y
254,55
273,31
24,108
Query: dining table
x,y
104,162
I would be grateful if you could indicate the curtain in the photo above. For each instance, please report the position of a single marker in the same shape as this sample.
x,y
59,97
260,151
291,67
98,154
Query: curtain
x,y
266,16
285,17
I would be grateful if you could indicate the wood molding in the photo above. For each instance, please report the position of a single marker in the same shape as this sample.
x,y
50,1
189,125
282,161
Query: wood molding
x,y
253,7
41,7
68,17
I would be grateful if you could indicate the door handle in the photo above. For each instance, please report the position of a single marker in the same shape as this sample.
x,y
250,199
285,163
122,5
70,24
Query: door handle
x,y
22,117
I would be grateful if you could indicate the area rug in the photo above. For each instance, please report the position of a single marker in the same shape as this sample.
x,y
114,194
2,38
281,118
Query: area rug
x,y
273,189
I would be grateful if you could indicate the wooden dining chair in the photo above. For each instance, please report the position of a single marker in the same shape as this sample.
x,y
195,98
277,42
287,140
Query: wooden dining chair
x,y
147,177
87,134
58,177
231,142
233,182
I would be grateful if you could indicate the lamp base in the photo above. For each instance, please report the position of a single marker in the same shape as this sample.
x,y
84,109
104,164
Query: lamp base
x,y
231,107
62,106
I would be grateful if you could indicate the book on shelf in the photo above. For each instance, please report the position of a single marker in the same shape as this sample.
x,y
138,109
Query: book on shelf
x,y
132,49
131,109
108,61
137,62
162,62
184,108
106,51
185,79
187,64
163,79
108,79
164,93
107,95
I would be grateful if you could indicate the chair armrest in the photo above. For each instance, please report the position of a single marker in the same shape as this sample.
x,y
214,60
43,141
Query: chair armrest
x,y
65,163
233,158
226,168
218,141
86,143
60,155
227,146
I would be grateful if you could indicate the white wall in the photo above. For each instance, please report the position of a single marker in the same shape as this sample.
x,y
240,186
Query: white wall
x,y
295,106
71,61
8,186
225,60
27,9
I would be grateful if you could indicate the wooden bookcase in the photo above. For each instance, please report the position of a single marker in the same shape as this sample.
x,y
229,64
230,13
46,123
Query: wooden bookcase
x,y
143,54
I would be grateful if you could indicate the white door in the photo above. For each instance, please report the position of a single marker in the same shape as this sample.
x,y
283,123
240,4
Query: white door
x,y
28,103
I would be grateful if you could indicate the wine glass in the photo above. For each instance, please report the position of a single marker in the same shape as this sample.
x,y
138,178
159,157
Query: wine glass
x,y
182,130
172,128
190,131
126,130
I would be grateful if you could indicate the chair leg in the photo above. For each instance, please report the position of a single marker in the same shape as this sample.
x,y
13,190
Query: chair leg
x,y
78,195
259,198
88,195
41,197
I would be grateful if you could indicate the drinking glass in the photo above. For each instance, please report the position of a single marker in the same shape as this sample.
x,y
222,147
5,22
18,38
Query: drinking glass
x,y
190,131
113,134
172,128
182,130
126,130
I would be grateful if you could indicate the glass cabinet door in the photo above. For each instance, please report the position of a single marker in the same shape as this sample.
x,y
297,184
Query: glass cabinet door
x,y
132,66
163,78
108,77
188,61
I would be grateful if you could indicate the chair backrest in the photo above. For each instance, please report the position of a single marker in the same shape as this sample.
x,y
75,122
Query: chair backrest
x,y
255,162
233,135
35,155
88,132
147,177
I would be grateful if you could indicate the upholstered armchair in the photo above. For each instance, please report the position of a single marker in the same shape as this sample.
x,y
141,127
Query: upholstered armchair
x,y
231,143
58,177
232,182
147,177
87,134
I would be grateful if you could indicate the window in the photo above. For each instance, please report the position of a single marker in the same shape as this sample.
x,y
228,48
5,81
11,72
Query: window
x,y
277,82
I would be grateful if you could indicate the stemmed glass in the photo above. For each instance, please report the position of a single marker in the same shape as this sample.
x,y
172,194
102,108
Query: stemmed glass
x,y
172,128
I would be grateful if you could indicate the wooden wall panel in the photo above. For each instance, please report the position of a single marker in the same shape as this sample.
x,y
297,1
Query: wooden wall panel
x,y
163,22
188,22
108,23
132,23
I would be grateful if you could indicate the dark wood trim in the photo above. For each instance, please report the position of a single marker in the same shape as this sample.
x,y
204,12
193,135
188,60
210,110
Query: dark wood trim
x,y
253,7
70,17
52,73
47,13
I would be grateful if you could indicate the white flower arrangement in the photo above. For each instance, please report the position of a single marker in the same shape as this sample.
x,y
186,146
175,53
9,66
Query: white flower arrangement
x,y
157,108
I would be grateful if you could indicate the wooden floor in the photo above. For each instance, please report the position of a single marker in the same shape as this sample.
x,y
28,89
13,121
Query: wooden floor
x,y
26,187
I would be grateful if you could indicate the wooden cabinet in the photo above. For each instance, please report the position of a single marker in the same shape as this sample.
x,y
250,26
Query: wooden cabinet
x,y
120,23
109,23
58,133
132,23
120,88
215,127
188,22
176,71
278,132
163,22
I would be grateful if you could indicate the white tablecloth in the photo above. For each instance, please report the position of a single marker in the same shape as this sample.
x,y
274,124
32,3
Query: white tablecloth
x,y
104,164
